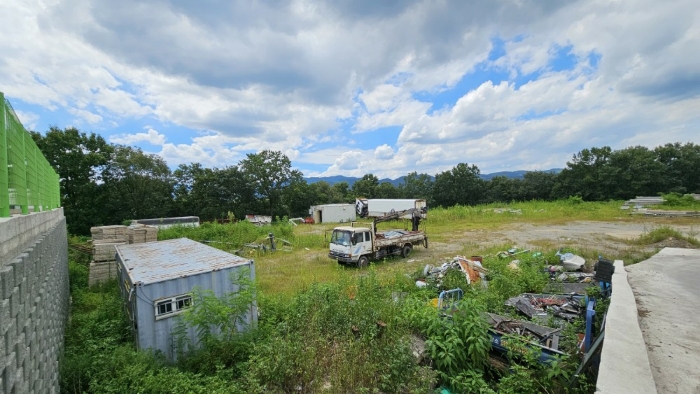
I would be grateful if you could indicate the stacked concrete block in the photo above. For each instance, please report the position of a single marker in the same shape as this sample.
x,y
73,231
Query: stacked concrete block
x,y
109,234
101,272
34,296
139,233
105,251
104,240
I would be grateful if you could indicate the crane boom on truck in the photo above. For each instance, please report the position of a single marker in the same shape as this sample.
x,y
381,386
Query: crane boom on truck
x,y
359,244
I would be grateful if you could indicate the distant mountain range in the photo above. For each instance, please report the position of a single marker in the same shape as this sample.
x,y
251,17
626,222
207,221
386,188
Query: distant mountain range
x,y
331,180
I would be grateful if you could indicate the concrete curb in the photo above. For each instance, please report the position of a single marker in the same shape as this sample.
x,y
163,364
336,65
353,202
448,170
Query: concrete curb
x,y
624,363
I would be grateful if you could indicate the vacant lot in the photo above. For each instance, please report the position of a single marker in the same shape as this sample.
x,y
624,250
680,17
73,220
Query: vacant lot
x,y
589,230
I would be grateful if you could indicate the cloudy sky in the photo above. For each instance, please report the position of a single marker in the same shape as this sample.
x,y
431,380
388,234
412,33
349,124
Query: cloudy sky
x,y
356,86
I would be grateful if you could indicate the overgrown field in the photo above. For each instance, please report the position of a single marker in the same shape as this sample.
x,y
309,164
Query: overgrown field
x,y
327,328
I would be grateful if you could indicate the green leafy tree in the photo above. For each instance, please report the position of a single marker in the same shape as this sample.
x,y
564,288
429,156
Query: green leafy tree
x,y
139,185
322,191
340,192
582,175
462,185
386,190
299,196
682,162
216,192
631,172
366,187
79,159
185,179
270,172
503,189
536,185
220,318
417,185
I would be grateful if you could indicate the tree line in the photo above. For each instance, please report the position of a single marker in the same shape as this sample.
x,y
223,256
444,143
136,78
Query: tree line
x,y
103,183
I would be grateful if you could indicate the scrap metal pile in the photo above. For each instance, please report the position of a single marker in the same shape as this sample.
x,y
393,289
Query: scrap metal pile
x,y
544,337
541,306
471,268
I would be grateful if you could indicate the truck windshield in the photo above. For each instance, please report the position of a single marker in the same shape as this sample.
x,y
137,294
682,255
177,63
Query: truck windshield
x,y
340,237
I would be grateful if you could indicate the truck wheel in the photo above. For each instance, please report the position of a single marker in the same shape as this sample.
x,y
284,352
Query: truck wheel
x,y
363,262
406,250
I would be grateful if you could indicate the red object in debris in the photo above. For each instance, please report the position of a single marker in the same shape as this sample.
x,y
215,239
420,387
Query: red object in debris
x,y
309,220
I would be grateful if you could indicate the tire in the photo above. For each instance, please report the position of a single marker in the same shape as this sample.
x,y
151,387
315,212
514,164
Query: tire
x,y
425,242
406,251
363,262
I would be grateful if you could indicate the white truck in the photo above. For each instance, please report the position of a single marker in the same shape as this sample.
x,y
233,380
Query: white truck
x,y
359,244
379,207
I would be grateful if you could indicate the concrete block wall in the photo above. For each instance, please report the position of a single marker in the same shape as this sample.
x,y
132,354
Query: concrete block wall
x,y
34,301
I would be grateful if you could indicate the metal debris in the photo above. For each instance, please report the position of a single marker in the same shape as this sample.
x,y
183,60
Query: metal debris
x,y
541,306
511,252
472,269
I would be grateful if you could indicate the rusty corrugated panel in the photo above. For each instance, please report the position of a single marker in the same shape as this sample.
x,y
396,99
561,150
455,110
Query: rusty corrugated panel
x,y
176,258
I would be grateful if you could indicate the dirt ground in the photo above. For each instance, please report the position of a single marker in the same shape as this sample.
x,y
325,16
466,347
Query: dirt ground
x,y
611,239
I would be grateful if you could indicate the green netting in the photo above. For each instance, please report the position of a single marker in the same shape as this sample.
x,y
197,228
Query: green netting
x,y
4,187
26,177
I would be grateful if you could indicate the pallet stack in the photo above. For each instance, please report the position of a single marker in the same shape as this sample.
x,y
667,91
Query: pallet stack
x,y
104,241
139,233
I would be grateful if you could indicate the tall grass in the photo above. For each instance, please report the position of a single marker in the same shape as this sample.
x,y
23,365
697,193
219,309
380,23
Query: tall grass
x,y
676,201
490,215
233,236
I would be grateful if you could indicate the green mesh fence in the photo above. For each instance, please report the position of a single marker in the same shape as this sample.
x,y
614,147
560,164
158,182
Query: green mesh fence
x,y
27,180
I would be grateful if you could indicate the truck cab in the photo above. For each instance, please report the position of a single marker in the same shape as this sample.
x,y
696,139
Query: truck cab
x,y
350,244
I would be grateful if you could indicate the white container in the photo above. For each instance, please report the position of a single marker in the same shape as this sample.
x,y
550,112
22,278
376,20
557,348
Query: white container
x,y
333,213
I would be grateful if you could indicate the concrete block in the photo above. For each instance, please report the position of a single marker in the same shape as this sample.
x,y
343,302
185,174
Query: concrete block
x,y
32,312
5,314
21,317
6,381
18,265
14,302
27,367
20,349
10,337
7,280
21,287
10,371
20,384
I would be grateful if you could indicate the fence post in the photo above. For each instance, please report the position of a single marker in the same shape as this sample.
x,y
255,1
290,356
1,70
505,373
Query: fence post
x,y
4,178
22,198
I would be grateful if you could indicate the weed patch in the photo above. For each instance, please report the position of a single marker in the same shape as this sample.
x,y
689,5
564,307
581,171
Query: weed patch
x,y
664,233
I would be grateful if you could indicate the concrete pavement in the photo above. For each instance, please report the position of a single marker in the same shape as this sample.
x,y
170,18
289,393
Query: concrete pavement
x,y
624,366
667,292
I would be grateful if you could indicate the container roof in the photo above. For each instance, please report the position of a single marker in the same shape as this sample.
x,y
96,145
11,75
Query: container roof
x,y
153,262
175,220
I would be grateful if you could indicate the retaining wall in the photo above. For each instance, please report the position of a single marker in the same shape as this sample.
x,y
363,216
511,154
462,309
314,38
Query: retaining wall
x,y
624,364
34,301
